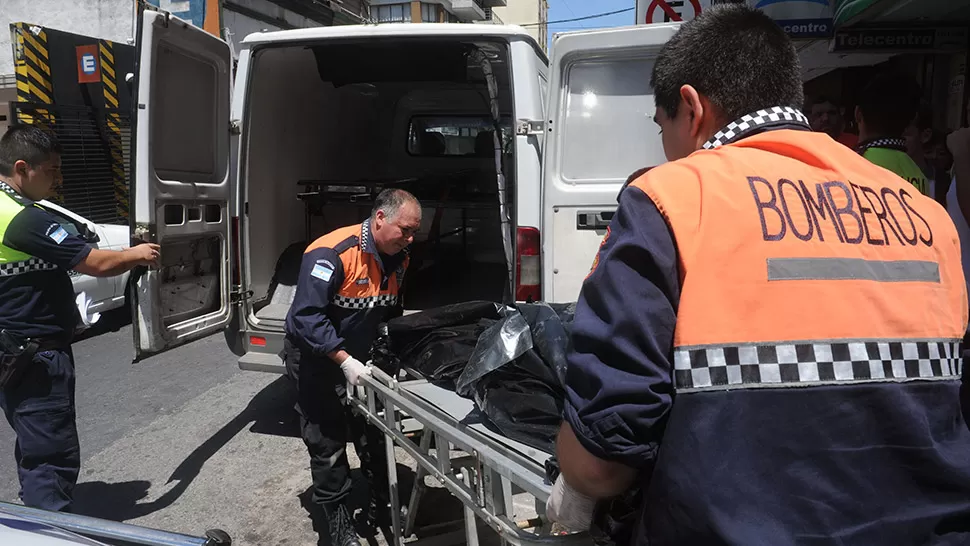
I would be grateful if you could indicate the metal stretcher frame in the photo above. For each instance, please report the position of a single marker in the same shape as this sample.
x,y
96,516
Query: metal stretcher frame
x,y
96,528
484,478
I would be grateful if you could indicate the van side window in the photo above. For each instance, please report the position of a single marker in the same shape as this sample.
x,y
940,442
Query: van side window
x,y
608,129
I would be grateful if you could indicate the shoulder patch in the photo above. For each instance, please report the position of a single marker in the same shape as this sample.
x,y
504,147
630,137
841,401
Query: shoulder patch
x,y
346,244
57,233
321,272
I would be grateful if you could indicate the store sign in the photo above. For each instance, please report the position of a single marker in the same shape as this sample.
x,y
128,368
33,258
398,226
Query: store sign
x,y
901,39
799,18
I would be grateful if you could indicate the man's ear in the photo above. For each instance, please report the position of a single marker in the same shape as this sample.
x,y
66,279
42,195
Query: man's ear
x,y
691,102
858,116
21,167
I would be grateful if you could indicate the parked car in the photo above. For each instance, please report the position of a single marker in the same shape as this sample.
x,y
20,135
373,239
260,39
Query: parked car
x,y
106,293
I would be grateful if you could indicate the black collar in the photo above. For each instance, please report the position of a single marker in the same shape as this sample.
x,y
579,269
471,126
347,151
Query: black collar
x,y
898,144
776,117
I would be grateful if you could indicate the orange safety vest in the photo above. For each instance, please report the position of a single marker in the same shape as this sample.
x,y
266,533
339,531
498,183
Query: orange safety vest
x,y
364,287
802,262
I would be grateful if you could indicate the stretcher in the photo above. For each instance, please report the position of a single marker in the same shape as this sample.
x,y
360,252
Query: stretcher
x,y
47,524
490,474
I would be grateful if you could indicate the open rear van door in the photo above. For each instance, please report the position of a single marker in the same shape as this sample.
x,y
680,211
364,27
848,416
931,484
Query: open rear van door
x,y
181,185
600,129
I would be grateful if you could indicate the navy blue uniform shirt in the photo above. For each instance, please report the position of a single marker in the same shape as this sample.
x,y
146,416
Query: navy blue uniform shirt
x,y
38,297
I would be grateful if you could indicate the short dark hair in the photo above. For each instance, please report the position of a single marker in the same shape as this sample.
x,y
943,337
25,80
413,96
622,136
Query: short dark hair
x,y
391,200
889,103
26,143
734,55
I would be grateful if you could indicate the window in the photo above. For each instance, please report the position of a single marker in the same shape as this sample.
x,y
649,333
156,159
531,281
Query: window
x,y
392,13
429,13
608,129
468,136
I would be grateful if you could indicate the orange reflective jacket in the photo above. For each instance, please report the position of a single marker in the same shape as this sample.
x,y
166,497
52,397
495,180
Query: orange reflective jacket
x,y
788,238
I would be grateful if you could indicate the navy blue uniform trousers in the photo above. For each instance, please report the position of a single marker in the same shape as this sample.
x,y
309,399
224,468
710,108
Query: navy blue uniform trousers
x,y
40,409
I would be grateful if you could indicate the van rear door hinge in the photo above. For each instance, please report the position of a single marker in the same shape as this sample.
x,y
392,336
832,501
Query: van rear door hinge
x,y
526,127
239,296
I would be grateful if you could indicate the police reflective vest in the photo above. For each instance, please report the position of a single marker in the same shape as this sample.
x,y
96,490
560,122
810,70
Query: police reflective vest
x,y
816,349
890,153
13,262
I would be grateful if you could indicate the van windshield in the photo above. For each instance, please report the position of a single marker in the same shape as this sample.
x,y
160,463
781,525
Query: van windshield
x,y
454,136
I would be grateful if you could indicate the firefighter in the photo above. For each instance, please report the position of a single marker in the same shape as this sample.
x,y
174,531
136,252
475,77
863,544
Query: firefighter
x,y
769,344
38,316
349,283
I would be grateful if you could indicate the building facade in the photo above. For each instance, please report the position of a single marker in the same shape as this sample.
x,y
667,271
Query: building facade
x,y
533,15
432,11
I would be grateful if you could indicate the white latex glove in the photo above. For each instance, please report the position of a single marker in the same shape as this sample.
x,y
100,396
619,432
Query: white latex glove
x,y
353,369
570,508
83,302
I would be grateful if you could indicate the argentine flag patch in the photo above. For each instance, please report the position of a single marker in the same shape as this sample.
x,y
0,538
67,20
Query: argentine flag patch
x,y
322,273
58,235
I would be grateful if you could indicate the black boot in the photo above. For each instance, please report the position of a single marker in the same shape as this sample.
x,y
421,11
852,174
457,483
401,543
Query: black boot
x,y
342,532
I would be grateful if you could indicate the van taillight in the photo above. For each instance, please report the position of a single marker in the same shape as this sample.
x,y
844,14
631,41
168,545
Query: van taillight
x,y
234,236
528,273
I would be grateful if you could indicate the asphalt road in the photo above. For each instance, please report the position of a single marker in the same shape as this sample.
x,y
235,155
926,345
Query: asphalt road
x,y
185,442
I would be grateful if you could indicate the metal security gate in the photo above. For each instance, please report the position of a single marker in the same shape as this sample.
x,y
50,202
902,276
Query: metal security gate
x,y
97,145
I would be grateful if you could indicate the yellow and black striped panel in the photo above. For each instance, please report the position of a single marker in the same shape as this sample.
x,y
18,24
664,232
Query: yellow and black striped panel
x,y
109,79
116,150
33,69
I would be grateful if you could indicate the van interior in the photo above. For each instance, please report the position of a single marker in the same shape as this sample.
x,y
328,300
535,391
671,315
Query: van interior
x,y
331,125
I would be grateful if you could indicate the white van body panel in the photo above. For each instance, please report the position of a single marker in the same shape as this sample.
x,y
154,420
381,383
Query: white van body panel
x,y
182,173
600,130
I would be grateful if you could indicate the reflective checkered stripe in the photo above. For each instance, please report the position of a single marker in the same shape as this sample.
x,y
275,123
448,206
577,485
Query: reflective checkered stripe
x,y
898,144
19,268
385,300
776,117
806,364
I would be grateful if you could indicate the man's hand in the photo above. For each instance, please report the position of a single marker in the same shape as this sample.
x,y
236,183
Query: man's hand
x,y
146,254
353,369
958,142
569,507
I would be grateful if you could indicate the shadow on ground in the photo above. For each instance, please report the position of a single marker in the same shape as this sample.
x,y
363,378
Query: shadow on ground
x,y
269,412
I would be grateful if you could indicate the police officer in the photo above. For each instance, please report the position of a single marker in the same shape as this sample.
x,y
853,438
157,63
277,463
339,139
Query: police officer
x,y
38,316
349,283
888,106
769,342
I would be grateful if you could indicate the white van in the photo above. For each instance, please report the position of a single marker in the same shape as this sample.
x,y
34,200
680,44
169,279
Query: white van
x,y
321,119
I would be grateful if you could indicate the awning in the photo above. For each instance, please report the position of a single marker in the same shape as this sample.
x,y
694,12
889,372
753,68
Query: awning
x,y
851,12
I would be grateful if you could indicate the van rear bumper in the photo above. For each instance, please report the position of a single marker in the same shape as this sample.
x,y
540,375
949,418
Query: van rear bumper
x,y
262,351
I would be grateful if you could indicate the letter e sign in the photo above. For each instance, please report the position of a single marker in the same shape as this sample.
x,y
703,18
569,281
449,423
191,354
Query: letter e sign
x,y
88,64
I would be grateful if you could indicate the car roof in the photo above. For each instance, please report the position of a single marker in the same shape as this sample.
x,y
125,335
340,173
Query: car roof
x,y
396,30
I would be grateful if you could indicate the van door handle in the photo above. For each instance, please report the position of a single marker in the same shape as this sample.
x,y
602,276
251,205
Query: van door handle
x,y
593,219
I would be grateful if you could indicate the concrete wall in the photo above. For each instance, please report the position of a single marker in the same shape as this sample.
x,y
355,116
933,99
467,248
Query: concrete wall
x,y
108,19
527,12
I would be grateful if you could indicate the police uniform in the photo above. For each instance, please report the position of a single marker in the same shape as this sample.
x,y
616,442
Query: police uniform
x,y
36,253
773,325
890,153
346,288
